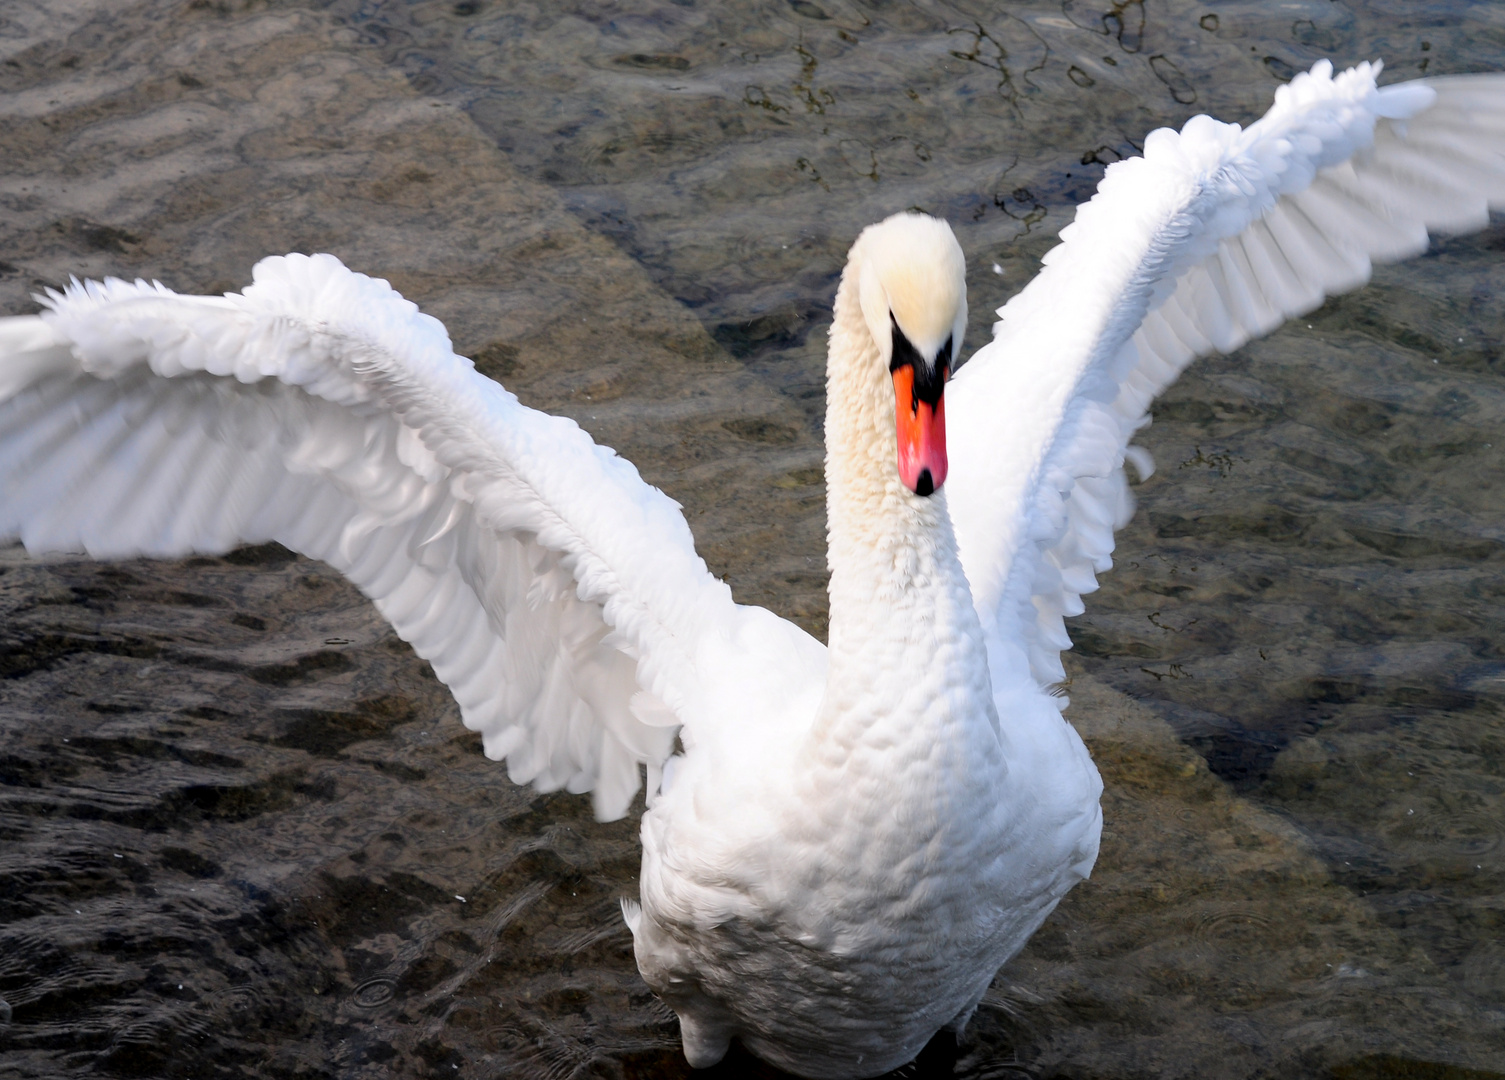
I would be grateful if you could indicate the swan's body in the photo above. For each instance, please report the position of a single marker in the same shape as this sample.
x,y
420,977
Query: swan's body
x,y
856,838
892,804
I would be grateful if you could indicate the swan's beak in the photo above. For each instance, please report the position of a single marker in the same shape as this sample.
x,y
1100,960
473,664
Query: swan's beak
x,y
920,423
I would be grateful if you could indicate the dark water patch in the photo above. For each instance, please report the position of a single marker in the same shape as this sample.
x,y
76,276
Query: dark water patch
x,y
94,236
350,909
28,654
222,802
112,708
1334,691
270,554
1404,546
802,478
1362,417
48,987
310,667
499,360
1441,698
507,893
764,431
1090,643
1263,522
108,750
1428,327
652,61
188,599
143,1050
1394,1067
439,1056
189,862
17,770
78,877
1310,34
1340,480
406,773
208,712
1279,69
1415,454
774,330
15,904
428,972
1238,754
1182,411
324,733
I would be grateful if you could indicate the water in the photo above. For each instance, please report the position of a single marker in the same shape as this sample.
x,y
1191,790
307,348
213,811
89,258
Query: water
x,y
243,831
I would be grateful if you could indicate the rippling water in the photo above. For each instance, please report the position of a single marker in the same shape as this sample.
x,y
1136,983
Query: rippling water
x,y
242,832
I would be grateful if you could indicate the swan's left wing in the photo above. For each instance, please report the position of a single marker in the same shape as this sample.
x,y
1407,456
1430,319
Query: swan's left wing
x,y
1215,236
557,595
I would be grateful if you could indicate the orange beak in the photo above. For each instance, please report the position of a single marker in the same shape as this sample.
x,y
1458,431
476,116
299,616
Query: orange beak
x,y
921,431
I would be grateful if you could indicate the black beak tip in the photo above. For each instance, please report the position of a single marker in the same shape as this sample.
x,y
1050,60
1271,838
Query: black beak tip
x,y
924,486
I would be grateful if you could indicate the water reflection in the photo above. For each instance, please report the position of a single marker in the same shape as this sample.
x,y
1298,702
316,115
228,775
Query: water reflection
x,y
244,833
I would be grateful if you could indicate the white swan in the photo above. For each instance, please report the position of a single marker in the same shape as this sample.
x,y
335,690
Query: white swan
x,y
855,838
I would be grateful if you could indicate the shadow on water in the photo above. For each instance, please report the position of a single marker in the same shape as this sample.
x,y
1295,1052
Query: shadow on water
x,y
242,832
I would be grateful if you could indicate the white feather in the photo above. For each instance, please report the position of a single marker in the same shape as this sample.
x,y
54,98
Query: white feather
x,y
1215,236
321,410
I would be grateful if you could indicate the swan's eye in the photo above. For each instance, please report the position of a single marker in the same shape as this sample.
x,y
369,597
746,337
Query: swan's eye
x,y
929,377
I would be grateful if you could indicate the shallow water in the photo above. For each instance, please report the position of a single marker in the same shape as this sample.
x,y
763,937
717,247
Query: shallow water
x,y
242,832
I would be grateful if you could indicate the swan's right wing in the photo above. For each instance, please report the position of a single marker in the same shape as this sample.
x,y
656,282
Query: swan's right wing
x,y
1216,236
557,595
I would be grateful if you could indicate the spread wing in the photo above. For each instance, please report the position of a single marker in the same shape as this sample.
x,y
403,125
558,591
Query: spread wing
x,y
1215,236
556,594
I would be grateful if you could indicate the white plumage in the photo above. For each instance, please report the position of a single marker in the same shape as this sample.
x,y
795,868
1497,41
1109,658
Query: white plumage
x,y
854,840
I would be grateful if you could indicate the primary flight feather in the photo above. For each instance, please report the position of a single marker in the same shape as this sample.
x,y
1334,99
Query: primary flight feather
x,y
855,837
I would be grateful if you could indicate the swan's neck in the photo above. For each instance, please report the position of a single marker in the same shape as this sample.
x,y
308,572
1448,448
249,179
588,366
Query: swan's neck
x,y
907,660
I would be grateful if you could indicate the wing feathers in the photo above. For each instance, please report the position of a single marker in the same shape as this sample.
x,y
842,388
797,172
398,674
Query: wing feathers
x,y
546,583
1229,232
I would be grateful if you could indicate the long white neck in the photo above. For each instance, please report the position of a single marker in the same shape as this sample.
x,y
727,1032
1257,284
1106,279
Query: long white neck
x,y
907,660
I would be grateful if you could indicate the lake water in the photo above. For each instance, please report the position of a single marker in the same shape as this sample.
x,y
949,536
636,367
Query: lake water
x,y
242,832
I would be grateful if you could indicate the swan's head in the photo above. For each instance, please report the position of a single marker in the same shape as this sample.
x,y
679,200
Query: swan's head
x,y
913,291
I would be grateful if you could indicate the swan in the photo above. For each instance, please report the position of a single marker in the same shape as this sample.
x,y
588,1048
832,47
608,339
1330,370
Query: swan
x,y
850,839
